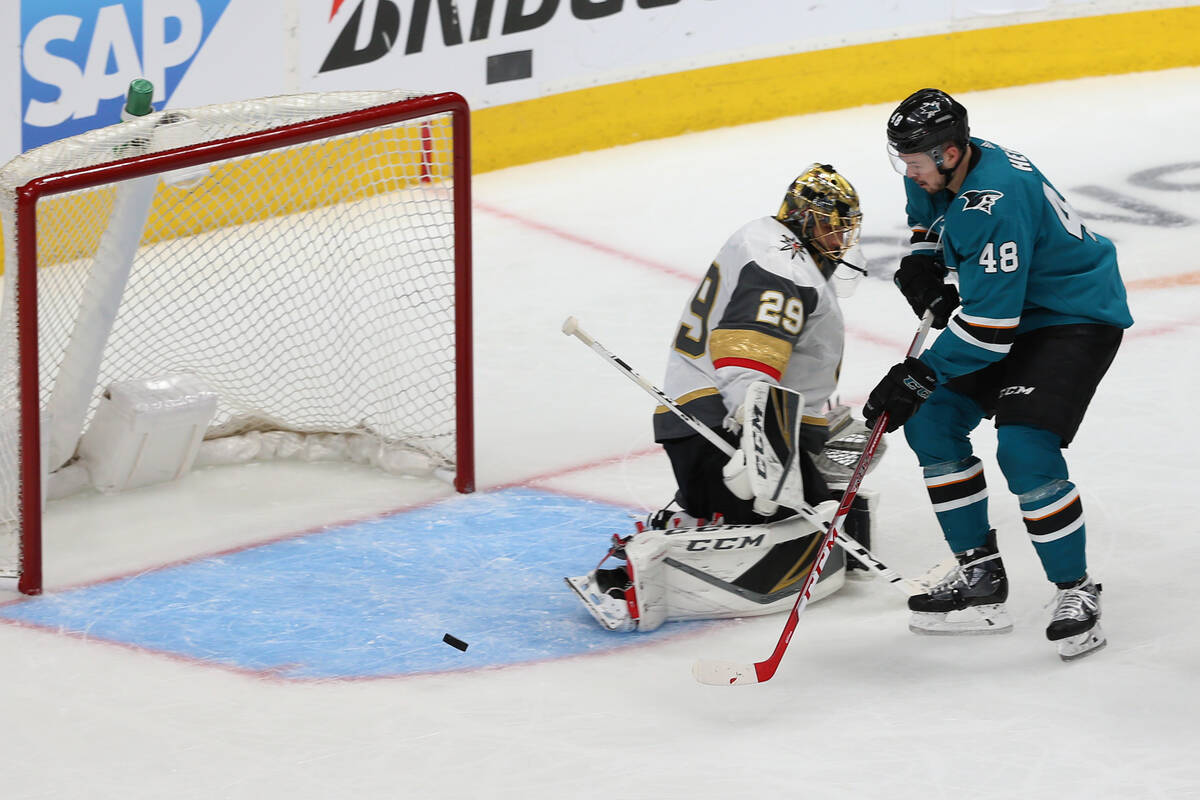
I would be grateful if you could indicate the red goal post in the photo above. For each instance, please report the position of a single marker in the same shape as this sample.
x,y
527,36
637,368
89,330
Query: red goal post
x,y
306,259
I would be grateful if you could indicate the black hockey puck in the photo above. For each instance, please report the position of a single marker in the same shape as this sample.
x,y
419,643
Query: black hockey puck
x,y
455,642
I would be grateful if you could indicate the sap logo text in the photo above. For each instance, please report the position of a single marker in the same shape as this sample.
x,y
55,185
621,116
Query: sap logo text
x,y
1010,390
77,66
363,41
726,543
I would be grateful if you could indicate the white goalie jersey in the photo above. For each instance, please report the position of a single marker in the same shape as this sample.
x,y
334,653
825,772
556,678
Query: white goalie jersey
x,y
763,311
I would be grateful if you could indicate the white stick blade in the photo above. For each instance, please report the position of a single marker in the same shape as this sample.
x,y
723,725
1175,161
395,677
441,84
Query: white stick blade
x,y
723,673
934,574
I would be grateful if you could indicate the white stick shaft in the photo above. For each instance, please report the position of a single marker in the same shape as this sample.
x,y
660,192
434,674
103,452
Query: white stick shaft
x,y
873,564
571,328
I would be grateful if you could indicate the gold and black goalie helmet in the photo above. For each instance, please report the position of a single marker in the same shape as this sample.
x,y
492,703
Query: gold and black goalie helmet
x,y
823,208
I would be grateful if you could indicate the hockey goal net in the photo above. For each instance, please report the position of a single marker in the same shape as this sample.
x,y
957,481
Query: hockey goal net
x,y
304,258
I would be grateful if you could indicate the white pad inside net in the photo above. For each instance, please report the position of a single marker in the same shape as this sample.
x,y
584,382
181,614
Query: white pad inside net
x,y
311,287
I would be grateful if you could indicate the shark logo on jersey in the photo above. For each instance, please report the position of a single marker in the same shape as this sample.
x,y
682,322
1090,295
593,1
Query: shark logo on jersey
x,y
790,243
981,200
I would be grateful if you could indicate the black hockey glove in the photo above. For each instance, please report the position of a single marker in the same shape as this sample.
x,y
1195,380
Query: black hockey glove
x,y
900,393
923,283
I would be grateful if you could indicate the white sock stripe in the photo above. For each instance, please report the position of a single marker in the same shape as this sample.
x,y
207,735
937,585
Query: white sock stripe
x,y
989,322
950,505
958,330
955,477
1059,534
1034,514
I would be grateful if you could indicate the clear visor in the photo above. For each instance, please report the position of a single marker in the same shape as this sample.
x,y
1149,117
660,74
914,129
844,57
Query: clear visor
x,y
851,269
919,162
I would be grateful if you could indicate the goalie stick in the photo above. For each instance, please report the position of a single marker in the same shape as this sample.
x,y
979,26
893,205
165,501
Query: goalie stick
x,y
864,556
729,673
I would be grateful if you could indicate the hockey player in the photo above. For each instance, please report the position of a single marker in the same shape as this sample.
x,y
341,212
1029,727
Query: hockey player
x,y
1042,314
759,344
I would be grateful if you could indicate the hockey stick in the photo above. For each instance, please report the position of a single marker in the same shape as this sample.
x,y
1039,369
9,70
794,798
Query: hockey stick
x,y
864,556
571,328
728,673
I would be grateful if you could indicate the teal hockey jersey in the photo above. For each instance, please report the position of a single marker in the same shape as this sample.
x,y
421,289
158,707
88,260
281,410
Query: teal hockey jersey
x,y
1024,258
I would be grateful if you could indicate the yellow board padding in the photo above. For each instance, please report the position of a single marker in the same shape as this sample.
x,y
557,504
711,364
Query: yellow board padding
x,y
663,106
825,80
256,188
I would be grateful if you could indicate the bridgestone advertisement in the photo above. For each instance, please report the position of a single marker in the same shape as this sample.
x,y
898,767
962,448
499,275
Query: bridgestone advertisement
x,y
78,56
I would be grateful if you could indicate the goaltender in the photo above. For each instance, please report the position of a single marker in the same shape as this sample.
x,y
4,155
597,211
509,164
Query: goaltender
x,y
755,358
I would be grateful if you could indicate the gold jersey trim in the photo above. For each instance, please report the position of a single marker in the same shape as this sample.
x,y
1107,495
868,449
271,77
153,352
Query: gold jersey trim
x,y
684,399
752,345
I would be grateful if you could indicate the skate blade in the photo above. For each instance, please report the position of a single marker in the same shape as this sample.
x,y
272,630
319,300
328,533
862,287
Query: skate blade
x,y
1084,644
598,607
972,621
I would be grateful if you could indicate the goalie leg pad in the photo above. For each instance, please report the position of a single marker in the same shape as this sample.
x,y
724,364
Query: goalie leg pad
x,y
647,597
643,604
857,525
747,570
714,572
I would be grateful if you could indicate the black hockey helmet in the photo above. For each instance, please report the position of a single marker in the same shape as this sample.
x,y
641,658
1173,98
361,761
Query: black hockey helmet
x,y
926,119
925,122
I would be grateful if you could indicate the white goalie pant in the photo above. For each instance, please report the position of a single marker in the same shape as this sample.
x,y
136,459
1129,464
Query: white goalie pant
x,y
690,573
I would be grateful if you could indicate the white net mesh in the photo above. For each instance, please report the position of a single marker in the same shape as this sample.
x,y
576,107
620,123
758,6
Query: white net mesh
x,y
312,287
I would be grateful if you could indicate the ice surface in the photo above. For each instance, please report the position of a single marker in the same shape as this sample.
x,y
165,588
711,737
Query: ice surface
x,y
860,707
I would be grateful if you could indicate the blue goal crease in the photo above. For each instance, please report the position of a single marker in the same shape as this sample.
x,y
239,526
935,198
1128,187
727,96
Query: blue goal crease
x,y
372,598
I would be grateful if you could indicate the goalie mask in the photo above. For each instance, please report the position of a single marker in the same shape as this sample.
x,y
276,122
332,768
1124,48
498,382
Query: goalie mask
x,y
822,207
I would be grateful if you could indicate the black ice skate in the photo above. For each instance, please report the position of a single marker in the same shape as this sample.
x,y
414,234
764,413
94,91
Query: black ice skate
x,y
1075,624
968,600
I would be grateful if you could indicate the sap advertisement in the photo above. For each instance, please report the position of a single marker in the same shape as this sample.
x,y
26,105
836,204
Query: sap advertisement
x,y
77,57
